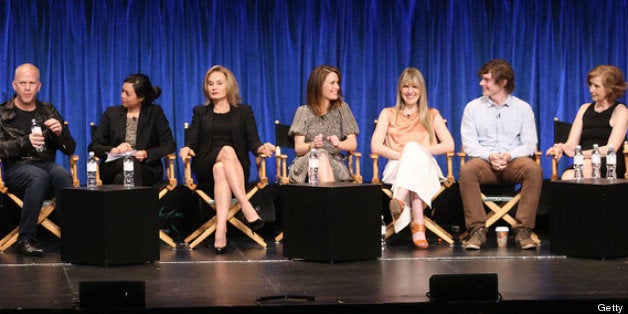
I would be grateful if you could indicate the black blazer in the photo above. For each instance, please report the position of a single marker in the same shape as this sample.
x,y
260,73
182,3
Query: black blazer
x,y
153,134
243,134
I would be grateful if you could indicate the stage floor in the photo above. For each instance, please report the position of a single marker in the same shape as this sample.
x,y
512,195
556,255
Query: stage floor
x,y
200,279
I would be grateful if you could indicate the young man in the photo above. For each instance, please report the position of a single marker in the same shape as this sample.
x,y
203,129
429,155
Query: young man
x,y
499,134
29,158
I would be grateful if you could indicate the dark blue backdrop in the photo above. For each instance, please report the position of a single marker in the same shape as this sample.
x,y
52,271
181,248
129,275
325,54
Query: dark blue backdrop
x,y
86,48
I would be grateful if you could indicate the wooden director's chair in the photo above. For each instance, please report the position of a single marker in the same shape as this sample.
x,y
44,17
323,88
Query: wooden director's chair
x,y
167,186
207,228
500,199
46,210
284,141
429,223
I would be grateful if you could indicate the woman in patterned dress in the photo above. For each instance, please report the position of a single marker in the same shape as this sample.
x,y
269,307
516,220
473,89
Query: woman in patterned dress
x,y
325,123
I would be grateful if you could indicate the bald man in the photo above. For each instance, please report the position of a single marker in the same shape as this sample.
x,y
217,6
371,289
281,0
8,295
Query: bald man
x,y
29,158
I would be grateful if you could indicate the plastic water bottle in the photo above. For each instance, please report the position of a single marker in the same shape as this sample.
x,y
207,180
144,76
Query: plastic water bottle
x,y
91,171
596,162
129,180
578,163
383,233
611,164
312,171
36,129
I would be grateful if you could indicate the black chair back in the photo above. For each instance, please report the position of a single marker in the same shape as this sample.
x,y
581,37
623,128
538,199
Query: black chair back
x,y
561,131
282,139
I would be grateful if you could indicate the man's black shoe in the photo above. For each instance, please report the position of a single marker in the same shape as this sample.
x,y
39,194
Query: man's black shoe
x,y
27,248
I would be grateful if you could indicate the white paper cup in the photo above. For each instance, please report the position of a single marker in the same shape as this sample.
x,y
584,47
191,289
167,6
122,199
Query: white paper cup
x,y
502,236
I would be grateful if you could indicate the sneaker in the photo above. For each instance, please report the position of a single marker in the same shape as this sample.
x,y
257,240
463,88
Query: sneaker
x,y
524,240
476,239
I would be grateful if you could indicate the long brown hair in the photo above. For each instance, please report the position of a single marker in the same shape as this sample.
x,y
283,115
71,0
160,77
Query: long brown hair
x,y
313,93
413,77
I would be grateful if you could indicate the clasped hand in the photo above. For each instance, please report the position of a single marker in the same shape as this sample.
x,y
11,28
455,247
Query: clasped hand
x,y
499,161
332,139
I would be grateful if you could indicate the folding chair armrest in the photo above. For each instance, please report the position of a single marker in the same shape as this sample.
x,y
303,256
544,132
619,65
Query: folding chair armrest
x,y
626,157
2,187
554,165
73,159
169,161
450,168
260,160
537,156
463,158
375,158
187,172
281,174
98,180
354,166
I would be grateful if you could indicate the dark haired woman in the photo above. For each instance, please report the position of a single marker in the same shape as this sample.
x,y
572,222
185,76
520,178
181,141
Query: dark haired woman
x,y
137,126
324,123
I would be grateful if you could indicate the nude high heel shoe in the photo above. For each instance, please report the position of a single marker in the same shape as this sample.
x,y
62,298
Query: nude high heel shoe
x,y
396,207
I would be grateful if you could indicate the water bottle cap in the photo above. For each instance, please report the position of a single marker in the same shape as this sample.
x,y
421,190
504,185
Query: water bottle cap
x,y
91,154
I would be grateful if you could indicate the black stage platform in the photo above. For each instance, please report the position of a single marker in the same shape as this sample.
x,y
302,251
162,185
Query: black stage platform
x,y
200,281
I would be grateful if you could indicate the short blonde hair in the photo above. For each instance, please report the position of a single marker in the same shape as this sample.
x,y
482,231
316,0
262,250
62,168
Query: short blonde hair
x,y
233,92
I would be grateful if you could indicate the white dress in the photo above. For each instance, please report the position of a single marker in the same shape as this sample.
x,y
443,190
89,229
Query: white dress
x,y
417,171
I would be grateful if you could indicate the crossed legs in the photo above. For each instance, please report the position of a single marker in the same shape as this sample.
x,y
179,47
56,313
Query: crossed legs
x,y
325,172
228,181
416,204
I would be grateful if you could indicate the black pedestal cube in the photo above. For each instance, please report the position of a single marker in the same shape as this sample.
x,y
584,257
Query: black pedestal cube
x,y
588,218
109,225
332,222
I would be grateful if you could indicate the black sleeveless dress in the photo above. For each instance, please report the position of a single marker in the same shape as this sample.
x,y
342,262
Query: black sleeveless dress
x,y
596,130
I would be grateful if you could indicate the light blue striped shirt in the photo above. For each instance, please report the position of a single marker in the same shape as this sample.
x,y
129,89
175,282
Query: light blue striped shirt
x,y
489,128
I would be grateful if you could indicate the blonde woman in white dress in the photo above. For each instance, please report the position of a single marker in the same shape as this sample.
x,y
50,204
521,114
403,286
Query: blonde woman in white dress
x,y
409,135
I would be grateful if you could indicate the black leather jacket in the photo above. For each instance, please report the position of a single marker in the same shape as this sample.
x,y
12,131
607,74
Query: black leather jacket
x,y
15,146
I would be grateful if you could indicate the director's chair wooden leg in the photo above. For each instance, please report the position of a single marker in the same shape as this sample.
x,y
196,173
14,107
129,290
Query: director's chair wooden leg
x,y
42,220
279,237
246,230
502,212
167,239
498,212
212,226
429,223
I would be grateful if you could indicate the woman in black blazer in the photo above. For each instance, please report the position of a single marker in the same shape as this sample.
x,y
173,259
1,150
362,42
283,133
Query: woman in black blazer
x,y
138,125
222,133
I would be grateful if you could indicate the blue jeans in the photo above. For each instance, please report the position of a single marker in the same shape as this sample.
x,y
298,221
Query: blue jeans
x,y
35,181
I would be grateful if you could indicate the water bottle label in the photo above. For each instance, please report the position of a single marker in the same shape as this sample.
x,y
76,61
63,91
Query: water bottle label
x,y
612,159
128,165
91,167
36,129
313,163
578,160
596,159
